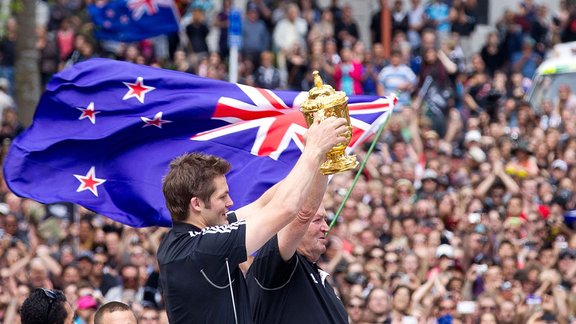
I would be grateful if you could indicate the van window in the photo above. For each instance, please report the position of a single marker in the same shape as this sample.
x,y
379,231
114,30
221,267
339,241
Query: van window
x,y
545,87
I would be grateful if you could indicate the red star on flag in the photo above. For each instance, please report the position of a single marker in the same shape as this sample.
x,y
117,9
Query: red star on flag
x,y
89,113
156,121
137,90
89,181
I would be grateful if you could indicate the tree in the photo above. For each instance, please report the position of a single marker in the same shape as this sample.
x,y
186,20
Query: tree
x,y
27,71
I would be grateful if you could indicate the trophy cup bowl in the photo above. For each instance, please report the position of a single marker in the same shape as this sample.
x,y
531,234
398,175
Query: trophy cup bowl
x,y
325,102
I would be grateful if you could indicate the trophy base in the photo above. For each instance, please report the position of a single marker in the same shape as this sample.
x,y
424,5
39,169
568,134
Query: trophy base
x,y
341,164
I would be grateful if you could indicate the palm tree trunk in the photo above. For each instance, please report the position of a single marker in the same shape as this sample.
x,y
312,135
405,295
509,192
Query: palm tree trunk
x,y
27,71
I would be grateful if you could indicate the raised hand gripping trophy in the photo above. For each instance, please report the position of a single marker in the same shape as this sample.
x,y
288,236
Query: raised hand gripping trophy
x,y
325,102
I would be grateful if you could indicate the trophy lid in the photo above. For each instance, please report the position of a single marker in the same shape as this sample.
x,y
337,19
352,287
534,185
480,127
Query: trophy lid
x,y
322,96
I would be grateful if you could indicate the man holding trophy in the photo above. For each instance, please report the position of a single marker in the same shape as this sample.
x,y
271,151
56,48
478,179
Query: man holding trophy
x,y
199,256
284,282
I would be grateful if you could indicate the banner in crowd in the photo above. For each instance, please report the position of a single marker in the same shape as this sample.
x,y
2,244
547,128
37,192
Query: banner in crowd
x,y
133,20
105,131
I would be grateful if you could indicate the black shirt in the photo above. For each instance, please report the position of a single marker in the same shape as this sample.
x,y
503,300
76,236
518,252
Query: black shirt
x,y
291,292
194,265
197,34
7,52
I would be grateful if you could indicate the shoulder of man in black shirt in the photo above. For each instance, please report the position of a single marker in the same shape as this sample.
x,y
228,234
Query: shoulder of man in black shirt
x,y
294,291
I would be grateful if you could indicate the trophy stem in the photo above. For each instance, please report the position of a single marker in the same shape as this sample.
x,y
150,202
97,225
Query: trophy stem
x,y
339,164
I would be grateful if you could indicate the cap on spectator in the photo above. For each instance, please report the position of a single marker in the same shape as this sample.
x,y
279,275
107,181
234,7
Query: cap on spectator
x,y
477,154
472,136
480,229
252,7
429,174
457,153
445,250
86,256
567,253
430,134
200,5
528,41
4,84
149,304
521,146
4,209
428,224
560,164
87,302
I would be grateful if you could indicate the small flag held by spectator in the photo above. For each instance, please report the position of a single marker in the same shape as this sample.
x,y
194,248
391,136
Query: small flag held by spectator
x,y
133,20
105,131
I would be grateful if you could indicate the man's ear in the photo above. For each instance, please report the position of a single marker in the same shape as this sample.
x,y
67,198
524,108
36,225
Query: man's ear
x,y
196,203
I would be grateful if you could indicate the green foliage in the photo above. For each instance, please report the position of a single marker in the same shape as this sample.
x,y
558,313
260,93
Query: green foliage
x,y
17,6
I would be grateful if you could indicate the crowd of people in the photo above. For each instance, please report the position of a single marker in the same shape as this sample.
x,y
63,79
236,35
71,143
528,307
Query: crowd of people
x,y
464,211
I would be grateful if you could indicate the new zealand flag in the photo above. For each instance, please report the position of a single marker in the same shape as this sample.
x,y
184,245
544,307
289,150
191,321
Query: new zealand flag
x,y
105,131
133,20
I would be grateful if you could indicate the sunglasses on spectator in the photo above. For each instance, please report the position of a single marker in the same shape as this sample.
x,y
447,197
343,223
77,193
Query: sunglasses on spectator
x,y
446,308
53,296
376,256
488,307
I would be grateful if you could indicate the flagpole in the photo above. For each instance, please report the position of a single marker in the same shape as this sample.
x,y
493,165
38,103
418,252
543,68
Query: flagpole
x,y
362,165
234,42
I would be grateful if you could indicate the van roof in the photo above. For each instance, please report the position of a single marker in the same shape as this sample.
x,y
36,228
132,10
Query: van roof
x,y
557,65
563,50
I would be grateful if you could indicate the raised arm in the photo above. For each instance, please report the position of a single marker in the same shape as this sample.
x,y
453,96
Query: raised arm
x,y
290,236
289,197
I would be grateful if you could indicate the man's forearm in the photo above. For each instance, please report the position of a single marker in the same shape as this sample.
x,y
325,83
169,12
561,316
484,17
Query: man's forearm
x,y
290,236
287,200
294,190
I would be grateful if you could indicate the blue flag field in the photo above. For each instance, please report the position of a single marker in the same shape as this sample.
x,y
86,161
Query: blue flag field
x,y
105,131
133,20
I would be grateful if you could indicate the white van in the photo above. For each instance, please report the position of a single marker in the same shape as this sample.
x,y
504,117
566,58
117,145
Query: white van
x,y
559,69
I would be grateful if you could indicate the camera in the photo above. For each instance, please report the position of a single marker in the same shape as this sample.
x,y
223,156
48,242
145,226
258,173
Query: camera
x,y
466,307
493,96
404,279
481,268
474,218
533,300
530,245
506,285
356,278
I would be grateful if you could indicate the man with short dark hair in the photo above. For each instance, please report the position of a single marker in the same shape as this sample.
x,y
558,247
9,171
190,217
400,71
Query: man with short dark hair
x,y
46,306
199,257
115,313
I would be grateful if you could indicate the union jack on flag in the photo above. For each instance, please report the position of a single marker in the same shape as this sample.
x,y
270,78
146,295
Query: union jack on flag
x,y
133,20
105,131
149,7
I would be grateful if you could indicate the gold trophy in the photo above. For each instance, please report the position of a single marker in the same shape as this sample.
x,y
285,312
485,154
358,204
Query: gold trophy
x,y
325,102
